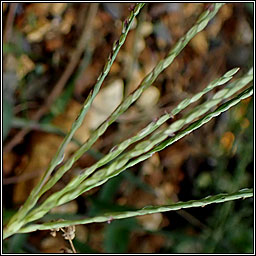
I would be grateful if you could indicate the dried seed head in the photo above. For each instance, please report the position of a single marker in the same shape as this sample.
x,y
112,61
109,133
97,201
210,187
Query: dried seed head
x,y
55,230
69,232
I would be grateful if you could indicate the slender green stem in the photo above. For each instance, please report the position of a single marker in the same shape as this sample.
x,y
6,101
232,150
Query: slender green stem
x,y
147,81
118,149
220,198
118,166
15,222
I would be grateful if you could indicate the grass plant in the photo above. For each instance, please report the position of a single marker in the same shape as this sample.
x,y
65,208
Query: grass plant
x,y
150,139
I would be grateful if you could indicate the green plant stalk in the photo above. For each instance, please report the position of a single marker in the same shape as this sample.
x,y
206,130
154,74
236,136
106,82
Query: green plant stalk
x,y
118,149
58,158
159,136
220,198
147,81
143,146
18,220
105,174
120,165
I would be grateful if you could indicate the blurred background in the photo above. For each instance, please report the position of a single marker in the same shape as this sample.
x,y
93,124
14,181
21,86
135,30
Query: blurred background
x,y
53,54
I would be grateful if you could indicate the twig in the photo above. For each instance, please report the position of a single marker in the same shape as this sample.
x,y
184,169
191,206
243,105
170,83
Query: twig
x,y
72,246
69,236
63,80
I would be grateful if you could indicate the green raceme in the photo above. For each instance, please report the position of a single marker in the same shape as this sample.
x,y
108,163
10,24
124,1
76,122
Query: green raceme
x,y
151,139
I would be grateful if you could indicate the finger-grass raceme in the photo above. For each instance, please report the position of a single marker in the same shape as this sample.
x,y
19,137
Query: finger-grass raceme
x,y
220,198
120,160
